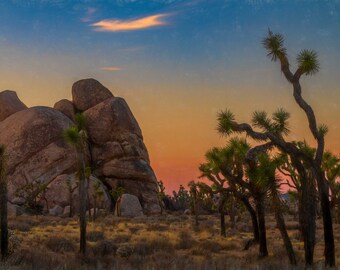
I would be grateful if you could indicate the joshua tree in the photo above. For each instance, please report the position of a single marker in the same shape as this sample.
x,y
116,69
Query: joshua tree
x,y
219,188
266,177
194,199
331,167
76,136
71,189
273,131
227,166
98,193
3,203
181,198
308,64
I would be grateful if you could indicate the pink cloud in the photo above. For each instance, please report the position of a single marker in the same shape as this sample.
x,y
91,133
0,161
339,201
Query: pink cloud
x,y
130,25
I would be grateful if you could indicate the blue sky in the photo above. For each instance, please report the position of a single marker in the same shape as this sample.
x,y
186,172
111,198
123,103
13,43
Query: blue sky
x,y
184,59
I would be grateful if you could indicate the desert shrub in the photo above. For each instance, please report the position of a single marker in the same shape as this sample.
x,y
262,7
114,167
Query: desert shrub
x,y
135,229
95,236
157,227
13,241
186,240
104,248
125,250
146,247
21,225
210,246
32,259
122,238
231,245
60,244
292,225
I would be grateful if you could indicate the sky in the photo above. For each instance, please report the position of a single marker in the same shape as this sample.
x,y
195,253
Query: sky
x,y
177,63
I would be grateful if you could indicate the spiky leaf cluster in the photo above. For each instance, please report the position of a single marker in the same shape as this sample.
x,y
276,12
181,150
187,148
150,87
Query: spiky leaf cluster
x,y
308,62
76,135
331,165
278,123
225,122
80,121
274,44
323,130
72,135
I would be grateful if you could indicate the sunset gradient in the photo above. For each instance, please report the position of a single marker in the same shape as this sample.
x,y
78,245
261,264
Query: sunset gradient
x,y
175,71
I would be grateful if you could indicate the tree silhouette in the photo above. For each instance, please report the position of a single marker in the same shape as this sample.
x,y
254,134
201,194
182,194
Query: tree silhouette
x,y
308,64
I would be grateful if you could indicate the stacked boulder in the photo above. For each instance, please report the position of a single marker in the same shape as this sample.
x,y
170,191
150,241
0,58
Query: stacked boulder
x,y
38,155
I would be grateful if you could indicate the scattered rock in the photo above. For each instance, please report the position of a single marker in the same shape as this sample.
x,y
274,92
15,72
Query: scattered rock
x,y
14,210
67,210
128,206
56,211
187,212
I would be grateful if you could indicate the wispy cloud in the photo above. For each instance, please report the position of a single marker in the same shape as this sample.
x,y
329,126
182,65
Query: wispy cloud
x,y
111,68
130,25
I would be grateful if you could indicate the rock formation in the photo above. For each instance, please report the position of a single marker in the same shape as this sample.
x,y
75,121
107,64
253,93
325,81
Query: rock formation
x,y
42,167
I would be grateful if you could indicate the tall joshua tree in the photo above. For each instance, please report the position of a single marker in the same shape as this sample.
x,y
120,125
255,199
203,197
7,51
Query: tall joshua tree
x,y
76,136
3,203
308,64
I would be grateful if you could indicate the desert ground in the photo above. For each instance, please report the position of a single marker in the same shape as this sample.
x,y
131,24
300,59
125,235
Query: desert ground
x,y
169,241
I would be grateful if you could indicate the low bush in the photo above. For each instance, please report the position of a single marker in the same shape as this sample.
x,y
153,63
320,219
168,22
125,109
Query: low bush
x,y
60,244
95,236
104,248
146,247
186,240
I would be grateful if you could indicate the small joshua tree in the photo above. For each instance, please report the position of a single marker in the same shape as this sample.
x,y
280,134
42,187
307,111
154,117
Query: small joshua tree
x,y
76,136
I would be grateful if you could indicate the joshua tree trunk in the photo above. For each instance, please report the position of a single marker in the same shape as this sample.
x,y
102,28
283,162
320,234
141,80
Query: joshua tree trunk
x,y
282,228
232,212
83,204
327,220
307,215
263,252
196,211
222,214
253,216
3,205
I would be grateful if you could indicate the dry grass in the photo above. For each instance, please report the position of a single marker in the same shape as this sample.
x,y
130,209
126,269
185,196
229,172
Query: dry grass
x,y
165,242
